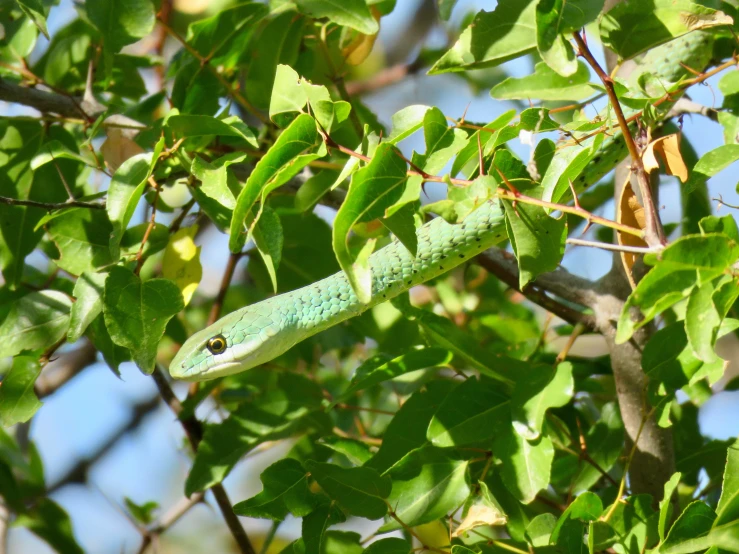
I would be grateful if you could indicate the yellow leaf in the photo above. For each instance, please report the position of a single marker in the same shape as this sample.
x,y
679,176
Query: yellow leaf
x,y
629,212
181,262
360,45
668,149
479,515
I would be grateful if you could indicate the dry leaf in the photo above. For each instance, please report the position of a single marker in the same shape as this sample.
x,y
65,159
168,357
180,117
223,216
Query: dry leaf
x,y
118,147
479,515
668,148
629,212
360,46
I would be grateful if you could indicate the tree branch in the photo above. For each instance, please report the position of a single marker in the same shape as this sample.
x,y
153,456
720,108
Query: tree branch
x,y
52,205
172,516
654,234
78,473
560,282
498,263
67,366
194,432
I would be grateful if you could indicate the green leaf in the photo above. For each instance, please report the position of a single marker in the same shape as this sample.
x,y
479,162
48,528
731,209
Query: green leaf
x,y
447,335
373,189
539,529
492,38
402,224
121,22
278,41
215,194
136,313
554,48
428,483
379,368
526,465
349,13
222,37
630,28
728,505
605,442
702,321
407,121
36,12
356,451
586,507
545,84
468,159
56,150
189,125
695,521
36,320
538,240
567,164
143,513
314,528
359,490
287,156
711,163
726,225
285,405
269,239
392,545
665,505
82,236
542,389
88,291
284,490
407,429
50,522
472,413
124,193
674,276
18,401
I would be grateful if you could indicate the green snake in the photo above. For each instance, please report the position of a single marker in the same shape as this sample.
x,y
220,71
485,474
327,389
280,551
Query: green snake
x,y
259,333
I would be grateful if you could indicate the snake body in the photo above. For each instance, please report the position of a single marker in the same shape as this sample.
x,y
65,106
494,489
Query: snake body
x,y
259,333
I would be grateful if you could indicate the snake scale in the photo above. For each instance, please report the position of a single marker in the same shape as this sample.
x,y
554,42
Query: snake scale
x,y
259,333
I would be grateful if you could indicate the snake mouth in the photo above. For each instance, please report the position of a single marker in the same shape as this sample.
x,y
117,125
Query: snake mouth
x,y
184,373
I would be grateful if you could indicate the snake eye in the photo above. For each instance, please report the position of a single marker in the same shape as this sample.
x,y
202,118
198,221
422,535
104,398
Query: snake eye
x,y
217,344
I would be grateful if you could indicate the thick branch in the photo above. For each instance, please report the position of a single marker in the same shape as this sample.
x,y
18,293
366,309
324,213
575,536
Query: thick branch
x,y
503,266
41,100
194,431
559,282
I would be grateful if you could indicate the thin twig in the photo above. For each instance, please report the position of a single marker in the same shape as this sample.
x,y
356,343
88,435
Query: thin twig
x,y
228,274
654,234
613,247
205,61
52,205
168,519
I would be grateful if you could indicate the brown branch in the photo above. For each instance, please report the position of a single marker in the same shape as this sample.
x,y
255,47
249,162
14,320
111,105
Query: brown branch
x,y
654,235
52,205
205,62
194,432
78,473
507,271
60,371
228,274
172,516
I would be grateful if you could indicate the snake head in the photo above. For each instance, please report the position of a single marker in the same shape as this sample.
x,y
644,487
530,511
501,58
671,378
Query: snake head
x,y
238,342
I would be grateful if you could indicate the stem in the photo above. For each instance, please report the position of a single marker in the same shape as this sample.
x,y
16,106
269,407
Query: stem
x,y
654,234
194,432
52,205
613,247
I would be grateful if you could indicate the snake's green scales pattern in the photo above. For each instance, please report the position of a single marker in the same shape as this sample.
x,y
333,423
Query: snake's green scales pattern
x,y
257,334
